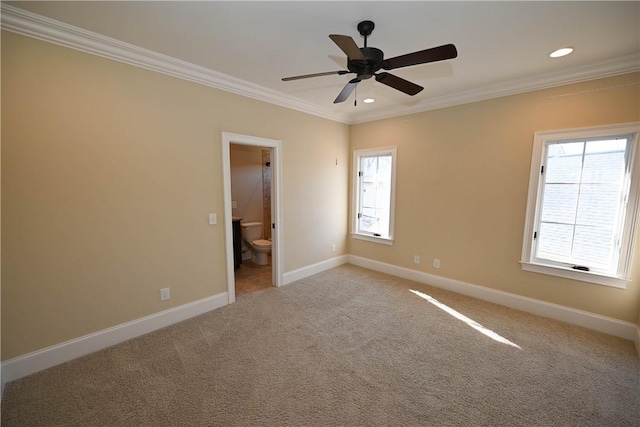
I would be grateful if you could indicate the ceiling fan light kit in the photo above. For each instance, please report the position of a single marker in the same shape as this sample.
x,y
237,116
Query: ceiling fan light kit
x,y
365,62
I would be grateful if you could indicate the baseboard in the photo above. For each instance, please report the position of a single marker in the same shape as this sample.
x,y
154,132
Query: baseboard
x,y
51,356
312,269
27,364
585,319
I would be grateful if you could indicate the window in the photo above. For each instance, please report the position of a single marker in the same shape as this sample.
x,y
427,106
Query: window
x,y
583,204
374,183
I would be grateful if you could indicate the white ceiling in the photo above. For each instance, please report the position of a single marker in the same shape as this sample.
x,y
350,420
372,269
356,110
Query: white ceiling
x,y
502,47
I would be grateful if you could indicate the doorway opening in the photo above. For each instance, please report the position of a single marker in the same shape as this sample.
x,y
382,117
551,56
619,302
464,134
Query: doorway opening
x,y
252,183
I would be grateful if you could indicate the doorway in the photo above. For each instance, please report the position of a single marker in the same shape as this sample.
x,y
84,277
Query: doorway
x,y
271,219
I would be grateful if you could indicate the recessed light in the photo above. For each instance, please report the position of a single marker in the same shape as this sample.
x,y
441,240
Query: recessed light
x,y
369,100
561,52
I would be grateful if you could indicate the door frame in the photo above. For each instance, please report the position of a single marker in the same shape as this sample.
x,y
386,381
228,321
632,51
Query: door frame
x,y
276,205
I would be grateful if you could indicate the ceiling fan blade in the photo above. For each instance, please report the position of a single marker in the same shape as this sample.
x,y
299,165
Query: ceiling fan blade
x,y
348,46
346,91
306,76
440,53
398,83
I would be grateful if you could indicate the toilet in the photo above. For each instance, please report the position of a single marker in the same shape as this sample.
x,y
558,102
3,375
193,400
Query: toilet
x,y
252,236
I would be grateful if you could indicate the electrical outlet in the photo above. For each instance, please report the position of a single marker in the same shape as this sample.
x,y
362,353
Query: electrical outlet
x,y
416,259
436,263
333,248
165,294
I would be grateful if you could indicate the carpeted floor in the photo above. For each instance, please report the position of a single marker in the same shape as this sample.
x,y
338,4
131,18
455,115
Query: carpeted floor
x,y
345,347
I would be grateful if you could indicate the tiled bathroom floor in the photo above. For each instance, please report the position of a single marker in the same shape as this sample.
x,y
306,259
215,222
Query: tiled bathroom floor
x,y
251,277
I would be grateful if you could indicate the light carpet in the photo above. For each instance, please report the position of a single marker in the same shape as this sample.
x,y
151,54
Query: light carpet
x,y
348,346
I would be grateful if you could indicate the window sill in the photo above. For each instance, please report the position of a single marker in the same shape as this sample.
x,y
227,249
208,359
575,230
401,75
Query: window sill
x,y
383,240
583,276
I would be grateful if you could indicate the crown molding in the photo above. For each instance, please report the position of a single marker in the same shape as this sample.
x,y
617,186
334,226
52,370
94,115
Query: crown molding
x,y
42,28
39,27
617,66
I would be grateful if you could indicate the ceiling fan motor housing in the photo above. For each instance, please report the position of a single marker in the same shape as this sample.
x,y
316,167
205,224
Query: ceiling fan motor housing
x,y
366,69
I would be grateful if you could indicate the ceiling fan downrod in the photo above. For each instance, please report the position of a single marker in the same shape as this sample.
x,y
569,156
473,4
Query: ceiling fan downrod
x,y
365,28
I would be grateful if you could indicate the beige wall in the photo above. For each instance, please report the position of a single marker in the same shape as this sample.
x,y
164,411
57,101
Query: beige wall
x,y
462,181
109,173
1,381
246,182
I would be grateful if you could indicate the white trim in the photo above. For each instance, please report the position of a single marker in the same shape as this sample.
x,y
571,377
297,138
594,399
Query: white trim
x,y
374,239
46,29
49,30
228,221
316,268
27,364
583,276
276,205
22,366
573,316
599,70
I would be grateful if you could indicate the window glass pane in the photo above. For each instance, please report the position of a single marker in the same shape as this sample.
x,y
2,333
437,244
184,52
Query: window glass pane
x,y
593,246
560,202
604,162
368,220
596,146
369,168
564,162
555,241
598,205
369,195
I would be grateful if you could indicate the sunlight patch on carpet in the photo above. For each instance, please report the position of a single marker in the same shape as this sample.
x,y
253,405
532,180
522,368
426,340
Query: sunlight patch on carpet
x,y
475,325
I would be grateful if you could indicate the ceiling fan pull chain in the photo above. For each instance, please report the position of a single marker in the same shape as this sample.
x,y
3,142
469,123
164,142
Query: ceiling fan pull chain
x,y
355,97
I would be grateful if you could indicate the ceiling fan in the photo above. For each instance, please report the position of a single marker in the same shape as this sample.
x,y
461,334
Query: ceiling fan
x,y
365,62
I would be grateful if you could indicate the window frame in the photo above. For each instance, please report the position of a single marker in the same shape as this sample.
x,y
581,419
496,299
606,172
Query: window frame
x,y
372,152
532,220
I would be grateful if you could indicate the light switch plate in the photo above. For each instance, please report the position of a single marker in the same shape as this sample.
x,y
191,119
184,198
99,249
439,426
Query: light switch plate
x,y
213,219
